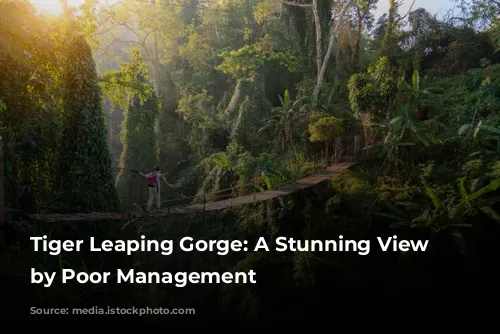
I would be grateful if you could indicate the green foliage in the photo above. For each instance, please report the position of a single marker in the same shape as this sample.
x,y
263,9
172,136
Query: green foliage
x,y
390,188
415,96
325,130
130,88
239,132
249,60
372,96
391,31
209,129
87,21
222,78
286,121
30,91
218,175
495,35
484,135
373,92
352,201
196,108
139,150
248,105
315,115
402,132
469,98
83,137
452,212
244,88
349,184
129,83
479,13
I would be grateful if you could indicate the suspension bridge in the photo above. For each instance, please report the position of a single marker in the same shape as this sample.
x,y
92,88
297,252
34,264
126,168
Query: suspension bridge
x,y
173,207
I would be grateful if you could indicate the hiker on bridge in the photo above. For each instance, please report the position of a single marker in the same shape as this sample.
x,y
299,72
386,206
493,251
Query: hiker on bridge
x,y
154,187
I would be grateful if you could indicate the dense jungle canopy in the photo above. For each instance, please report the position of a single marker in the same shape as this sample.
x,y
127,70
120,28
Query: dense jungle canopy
x,y
232,93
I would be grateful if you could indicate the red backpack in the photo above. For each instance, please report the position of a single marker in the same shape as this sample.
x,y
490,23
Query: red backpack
x,y
153,180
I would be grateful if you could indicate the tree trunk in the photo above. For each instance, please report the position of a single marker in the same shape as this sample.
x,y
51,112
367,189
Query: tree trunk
x,y
333,33
317,24
338,149
388,40
357,146
366,132
358,37
338,70
156,72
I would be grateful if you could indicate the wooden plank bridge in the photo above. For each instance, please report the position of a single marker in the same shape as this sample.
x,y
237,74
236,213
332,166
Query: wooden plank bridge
x,y
310,181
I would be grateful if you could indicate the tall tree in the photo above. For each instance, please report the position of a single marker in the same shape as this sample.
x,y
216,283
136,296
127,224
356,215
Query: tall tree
x,y
317,26
155,27
335,24
363,19
85,180
391,29
28,120
334,28
130,88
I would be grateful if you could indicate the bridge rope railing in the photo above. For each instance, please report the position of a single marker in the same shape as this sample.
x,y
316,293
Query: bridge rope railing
x,y
212,196
252,185
206,197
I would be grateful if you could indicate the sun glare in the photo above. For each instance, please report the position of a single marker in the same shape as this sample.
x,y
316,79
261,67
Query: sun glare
x,y
54,6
